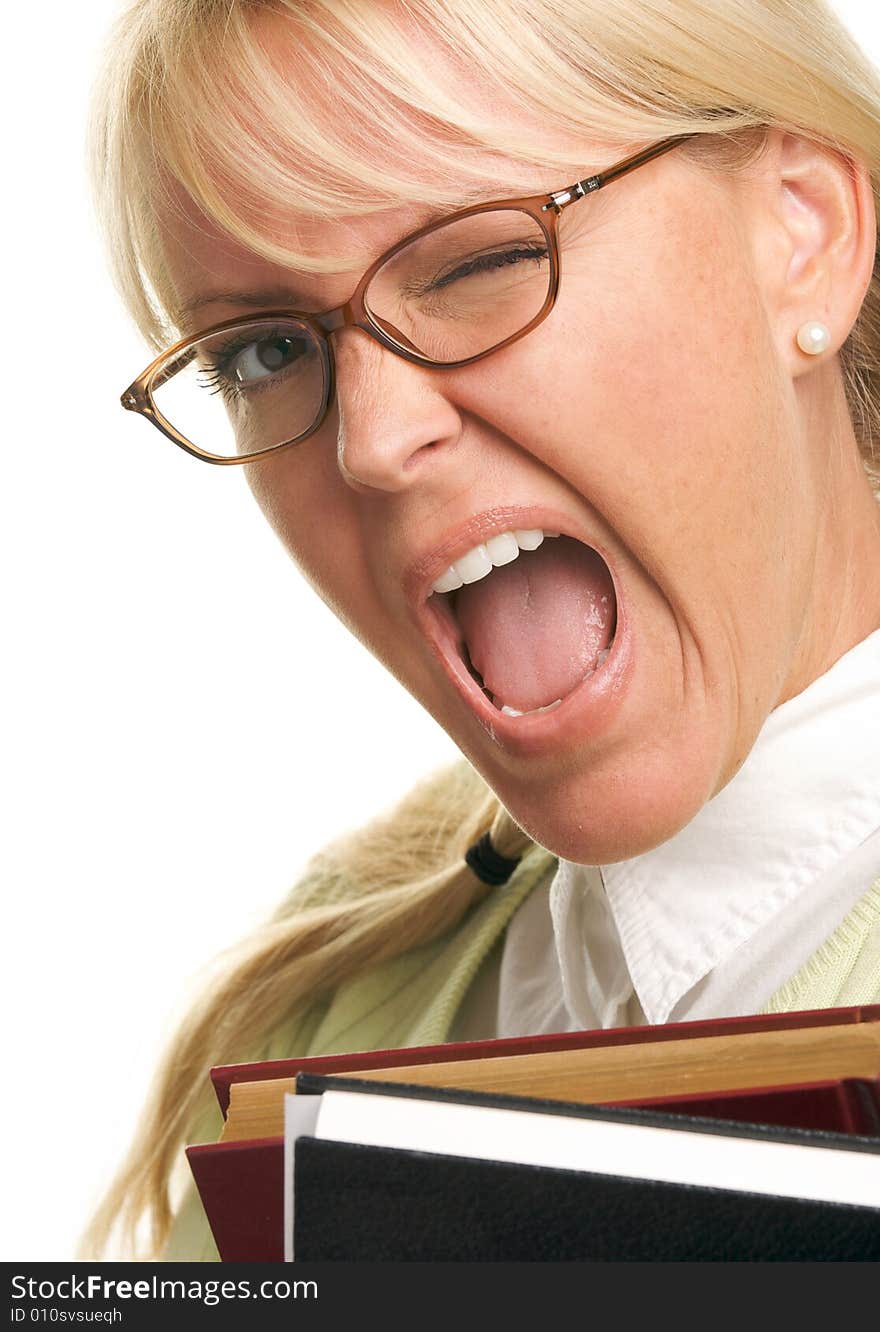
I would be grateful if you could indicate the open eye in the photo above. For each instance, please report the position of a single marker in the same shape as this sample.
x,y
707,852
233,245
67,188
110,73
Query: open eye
x,y
261,359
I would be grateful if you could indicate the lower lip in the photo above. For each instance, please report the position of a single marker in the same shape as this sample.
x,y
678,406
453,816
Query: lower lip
x,y
583,715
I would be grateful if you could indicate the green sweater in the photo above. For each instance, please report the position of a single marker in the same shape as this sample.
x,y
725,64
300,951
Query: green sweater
x,y
414,998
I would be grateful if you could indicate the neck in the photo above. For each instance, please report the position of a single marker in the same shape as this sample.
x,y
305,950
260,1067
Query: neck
x,y
843,597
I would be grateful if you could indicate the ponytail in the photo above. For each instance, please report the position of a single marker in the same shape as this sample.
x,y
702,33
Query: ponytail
x,y
412,885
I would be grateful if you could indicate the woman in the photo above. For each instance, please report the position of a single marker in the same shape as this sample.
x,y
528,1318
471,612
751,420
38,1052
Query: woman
x,y
589,472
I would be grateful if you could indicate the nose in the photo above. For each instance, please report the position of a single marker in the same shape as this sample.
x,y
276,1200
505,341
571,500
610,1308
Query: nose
x,y
392,415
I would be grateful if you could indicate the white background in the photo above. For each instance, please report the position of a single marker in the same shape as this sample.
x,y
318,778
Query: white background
x,y
183,722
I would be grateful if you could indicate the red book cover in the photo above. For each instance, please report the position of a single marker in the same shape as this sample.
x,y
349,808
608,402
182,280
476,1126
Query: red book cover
x,y
241,1183
223,1076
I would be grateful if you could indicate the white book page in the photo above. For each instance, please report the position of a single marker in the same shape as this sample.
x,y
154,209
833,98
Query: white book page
x,y
712,1160
300,1117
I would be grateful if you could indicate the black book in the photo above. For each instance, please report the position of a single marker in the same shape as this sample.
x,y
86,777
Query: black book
x,y
387,1172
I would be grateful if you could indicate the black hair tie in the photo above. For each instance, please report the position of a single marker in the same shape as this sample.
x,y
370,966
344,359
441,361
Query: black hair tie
x,y
488,864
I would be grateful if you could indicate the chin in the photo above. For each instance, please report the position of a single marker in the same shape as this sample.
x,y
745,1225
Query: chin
x,y
609,812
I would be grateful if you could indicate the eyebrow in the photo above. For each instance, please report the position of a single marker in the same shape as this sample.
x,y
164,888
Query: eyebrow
x,y
264,299
288,297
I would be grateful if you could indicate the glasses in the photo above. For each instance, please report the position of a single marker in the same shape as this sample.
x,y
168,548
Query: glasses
x,y
445,296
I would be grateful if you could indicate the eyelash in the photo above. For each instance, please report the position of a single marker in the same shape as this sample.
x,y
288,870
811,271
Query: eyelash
x,y
214,384
212,376
482,263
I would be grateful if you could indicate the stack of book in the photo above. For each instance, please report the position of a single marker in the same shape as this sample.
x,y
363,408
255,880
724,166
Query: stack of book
x,y
750,1138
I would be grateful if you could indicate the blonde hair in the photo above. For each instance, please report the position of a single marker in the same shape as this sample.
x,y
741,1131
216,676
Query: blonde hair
x,y
193,94
404,884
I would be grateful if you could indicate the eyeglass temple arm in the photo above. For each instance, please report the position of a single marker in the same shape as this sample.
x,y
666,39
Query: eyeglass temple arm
x,y
134,399
561,198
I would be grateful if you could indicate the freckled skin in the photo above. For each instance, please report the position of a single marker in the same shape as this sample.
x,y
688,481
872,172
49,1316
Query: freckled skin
x,y
663,407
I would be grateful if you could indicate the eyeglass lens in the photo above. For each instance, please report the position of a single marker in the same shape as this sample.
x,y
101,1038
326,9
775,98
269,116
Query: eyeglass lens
x,y
454,293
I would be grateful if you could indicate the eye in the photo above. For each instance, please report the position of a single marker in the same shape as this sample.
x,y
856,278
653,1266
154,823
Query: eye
x,y
261,359
492,263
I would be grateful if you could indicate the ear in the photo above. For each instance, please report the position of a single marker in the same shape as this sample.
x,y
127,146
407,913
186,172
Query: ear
x,y
818,236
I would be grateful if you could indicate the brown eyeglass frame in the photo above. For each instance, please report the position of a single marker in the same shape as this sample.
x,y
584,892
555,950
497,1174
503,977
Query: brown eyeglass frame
x,y
544,208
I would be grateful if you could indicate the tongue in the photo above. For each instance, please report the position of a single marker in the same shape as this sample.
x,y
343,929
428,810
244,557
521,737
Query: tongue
x,y
533,627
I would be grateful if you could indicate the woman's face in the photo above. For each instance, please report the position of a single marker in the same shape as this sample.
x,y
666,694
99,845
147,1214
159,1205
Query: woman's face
x,y
653,417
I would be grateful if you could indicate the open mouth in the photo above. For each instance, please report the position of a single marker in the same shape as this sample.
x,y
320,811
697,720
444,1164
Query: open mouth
x,y
530,615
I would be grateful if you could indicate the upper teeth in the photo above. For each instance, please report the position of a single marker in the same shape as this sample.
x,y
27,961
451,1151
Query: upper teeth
x,y
482,559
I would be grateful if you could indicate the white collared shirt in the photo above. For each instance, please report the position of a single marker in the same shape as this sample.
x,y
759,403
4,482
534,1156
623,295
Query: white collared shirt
x,y
713,921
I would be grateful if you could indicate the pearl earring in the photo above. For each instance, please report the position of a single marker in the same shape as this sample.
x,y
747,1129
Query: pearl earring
x,y
813,337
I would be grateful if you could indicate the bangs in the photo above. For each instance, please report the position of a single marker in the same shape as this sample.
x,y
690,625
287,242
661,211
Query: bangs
x,y
262,112
340,109
337,108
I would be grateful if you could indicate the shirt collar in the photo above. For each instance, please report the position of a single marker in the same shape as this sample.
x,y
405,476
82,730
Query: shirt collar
x,y
807,794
